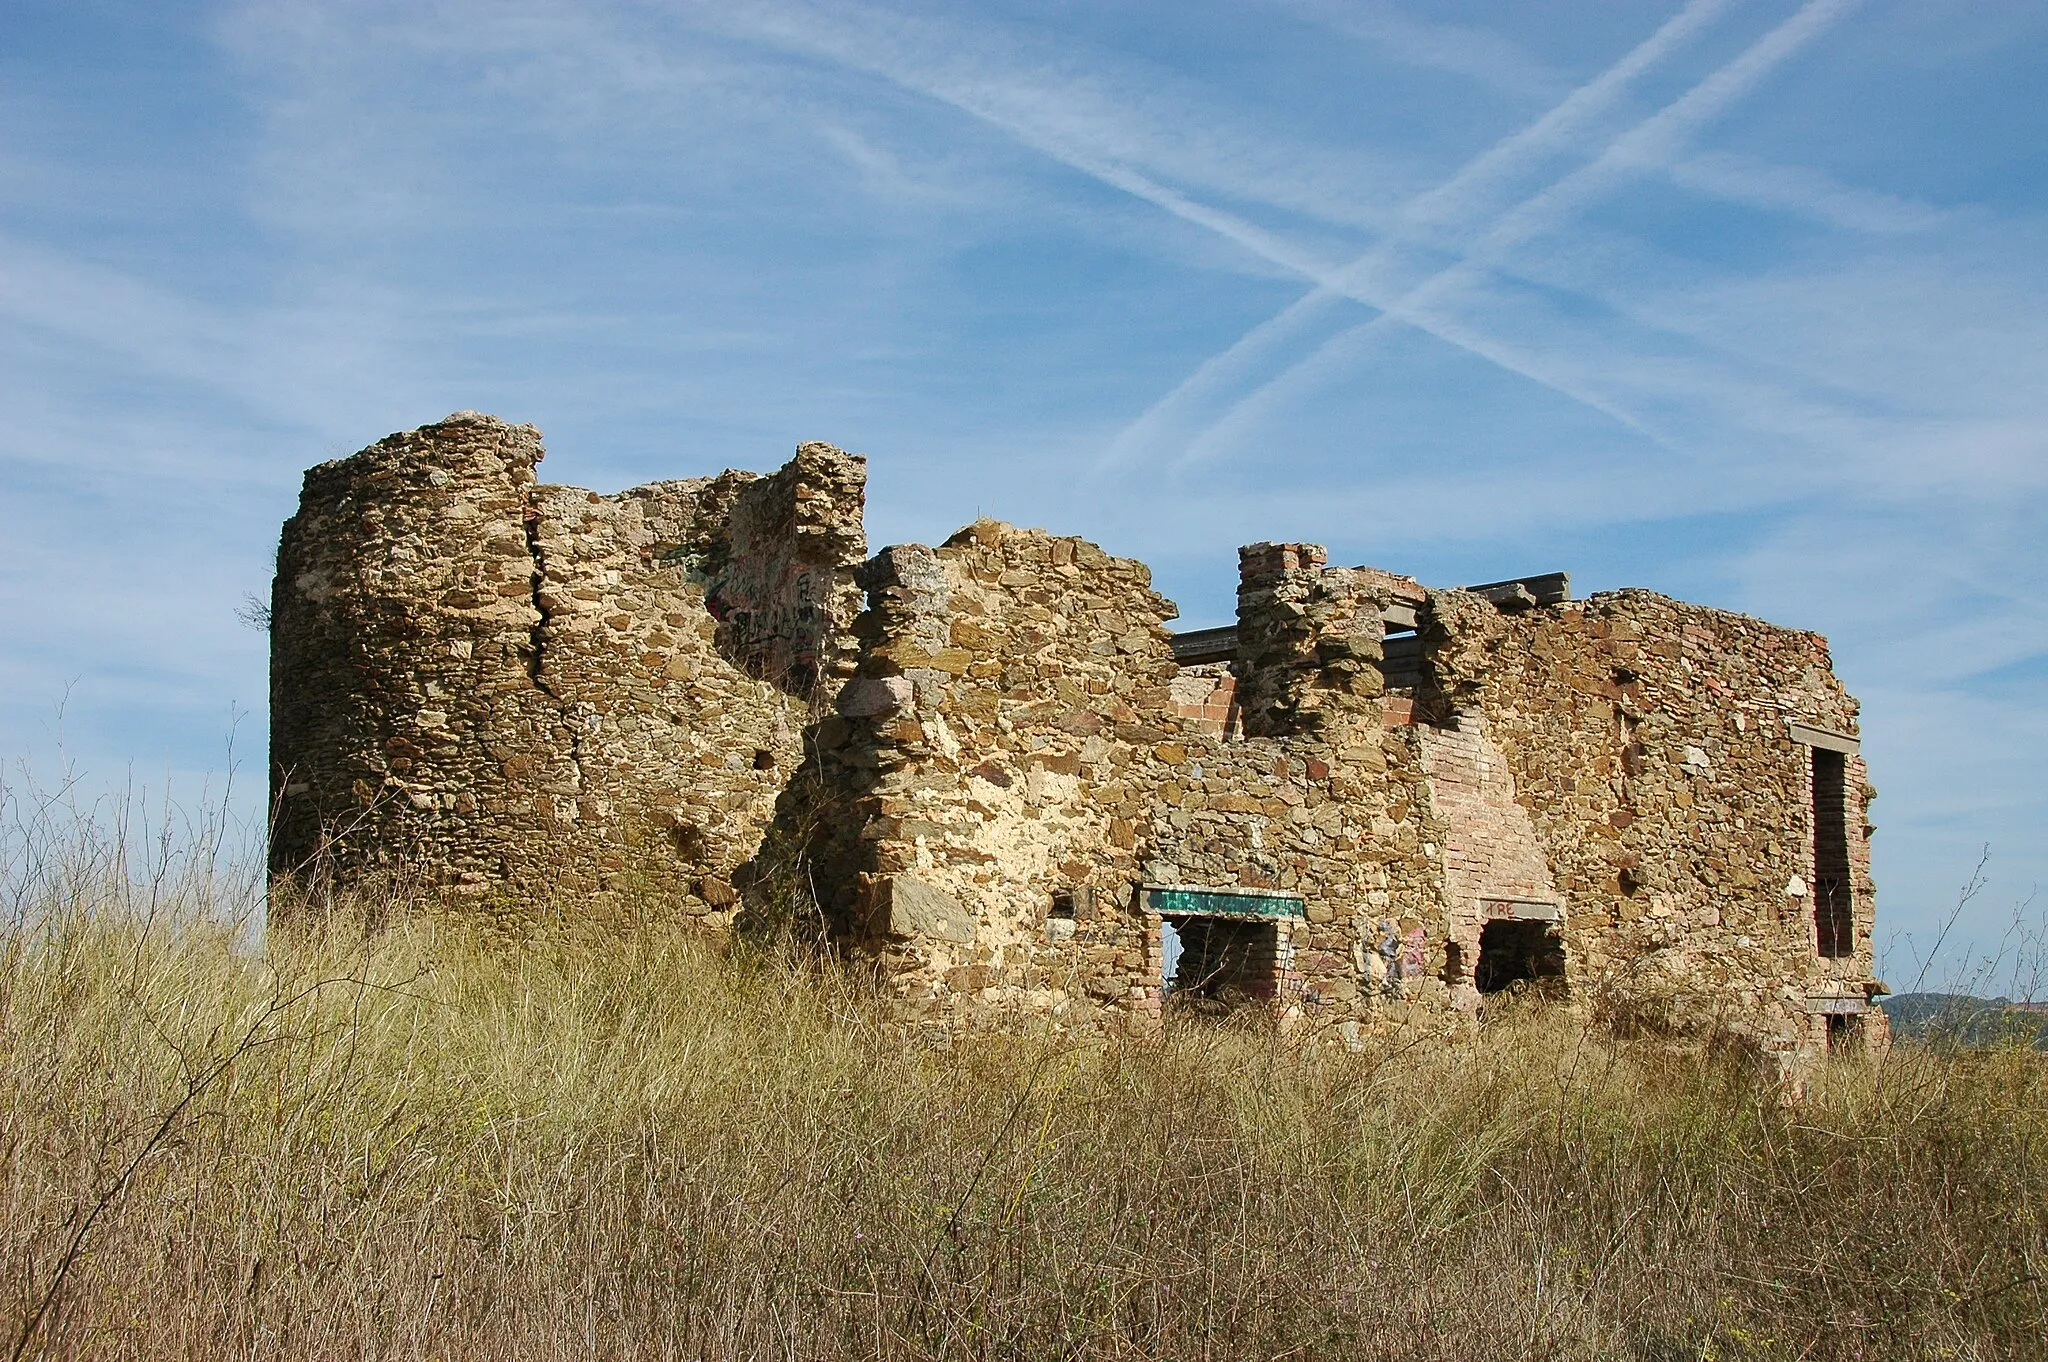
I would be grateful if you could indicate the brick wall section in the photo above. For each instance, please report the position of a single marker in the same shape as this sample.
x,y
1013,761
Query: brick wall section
x,y
1205,697
1491,851
514,693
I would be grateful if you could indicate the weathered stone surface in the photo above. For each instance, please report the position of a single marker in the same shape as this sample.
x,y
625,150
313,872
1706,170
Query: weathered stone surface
x,y
873,696
536,698
524,697
917,909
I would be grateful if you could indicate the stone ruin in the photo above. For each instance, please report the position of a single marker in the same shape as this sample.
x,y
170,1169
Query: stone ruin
x,y
991,770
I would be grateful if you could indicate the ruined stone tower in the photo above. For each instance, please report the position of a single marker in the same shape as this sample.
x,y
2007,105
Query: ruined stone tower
x,y
542,700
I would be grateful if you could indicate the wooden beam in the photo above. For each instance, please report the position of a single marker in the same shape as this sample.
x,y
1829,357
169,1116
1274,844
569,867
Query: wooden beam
x,y
1197,646
1547,588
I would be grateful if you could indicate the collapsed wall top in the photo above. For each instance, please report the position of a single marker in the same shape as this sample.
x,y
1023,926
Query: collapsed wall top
x,y
534,696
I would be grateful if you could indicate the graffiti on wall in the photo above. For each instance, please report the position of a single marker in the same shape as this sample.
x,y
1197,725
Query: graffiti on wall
x,y
772,623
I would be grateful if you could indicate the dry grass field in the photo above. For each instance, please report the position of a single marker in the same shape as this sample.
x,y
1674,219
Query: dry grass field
x,y
403,1146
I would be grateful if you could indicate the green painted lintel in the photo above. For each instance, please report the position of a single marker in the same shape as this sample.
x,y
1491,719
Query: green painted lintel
x,y
1171,902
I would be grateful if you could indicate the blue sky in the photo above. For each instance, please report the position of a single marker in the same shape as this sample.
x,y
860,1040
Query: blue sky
x,y
1741,300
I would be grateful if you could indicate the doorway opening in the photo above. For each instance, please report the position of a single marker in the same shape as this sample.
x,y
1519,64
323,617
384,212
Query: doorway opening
x,y
1519,951
1215,965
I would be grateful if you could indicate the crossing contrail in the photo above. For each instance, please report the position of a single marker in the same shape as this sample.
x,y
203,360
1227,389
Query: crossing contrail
x,y
1650,143
1458,197
861,48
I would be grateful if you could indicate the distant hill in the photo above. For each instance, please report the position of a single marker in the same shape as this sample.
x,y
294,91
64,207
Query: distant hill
x,y
1962,1019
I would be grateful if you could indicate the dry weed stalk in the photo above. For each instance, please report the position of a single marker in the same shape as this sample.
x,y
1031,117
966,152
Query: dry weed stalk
x,y
400,1144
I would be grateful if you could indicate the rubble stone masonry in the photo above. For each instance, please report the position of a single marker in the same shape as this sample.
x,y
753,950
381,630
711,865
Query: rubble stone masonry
x,y
981,767
537,700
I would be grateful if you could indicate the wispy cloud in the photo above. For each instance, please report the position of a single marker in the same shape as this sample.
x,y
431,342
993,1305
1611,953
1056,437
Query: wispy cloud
x,y
1456,203
1091,111
1479,54
306,363
1649,145
1806,193
983,94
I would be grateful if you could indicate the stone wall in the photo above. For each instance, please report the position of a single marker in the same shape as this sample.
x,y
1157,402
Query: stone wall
x,y
1018,753
782,589
980,767
518,695
1651,746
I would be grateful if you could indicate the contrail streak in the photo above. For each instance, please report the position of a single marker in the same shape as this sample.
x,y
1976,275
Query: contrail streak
x,y
1443,205
1649,143
857,51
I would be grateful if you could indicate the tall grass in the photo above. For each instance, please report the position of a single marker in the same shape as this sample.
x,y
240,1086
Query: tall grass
x,y
403,1145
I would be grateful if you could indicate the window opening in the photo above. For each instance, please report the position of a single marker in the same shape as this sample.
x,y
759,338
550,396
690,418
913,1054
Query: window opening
x,y
1401,659
1214,965
1513,951
1845,1032
1169,955
1834,919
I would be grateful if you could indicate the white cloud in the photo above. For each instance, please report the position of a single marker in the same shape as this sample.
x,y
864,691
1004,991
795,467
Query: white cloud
x,y
1807,193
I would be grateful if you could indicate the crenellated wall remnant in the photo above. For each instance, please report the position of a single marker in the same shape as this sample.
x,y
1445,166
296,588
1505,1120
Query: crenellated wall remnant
x,y
992,770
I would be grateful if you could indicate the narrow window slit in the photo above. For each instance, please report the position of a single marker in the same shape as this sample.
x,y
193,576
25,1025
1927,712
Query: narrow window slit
x,y
1834,918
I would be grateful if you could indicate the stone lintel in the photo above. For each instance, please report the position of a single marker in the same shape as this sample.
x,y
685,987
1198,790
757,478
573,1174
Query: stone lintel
x,y
918,909
1520,910
1813,735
